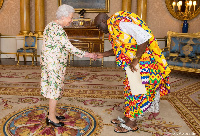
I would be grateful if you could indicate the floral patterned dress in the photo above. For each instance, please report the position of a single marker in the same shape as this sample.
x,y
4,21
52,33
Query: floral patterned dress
x,y
53,60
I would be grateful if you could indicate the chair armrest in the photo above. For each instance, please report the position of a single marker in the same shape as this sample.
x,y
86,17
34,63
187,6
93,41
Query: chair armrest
x,y
165,51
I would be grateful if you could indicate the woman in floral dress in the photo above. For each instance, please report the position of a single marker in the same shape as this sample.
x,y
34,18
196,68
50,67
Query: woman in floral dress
x,y
56,46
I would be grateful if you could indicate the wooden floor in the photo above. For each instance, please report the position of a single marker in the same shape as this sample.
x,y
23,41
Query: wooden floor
x,y
75,63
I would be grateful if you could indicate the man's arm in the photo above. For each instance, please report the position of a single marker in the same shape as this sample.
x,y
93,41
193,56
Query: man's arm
x,y
105,54
140,35
140,50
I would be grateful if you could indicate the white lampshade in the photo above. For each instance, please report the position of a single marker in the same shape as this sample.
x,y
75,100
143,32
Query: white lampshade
x,y
180,3
174,3
190,3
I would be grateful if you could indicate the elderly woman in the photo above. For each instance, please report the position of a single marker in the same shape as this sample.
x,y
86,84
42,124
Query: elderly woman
x,y
56,46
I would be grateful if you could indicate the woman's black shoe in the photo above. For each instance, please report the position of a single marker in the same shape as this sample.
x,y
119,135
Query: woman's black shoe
x,y
60,124
60,117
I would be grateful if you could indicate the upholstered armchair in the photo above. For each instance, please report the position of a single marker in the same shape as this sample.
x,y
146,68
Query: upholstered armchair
x,y
29,48
183,51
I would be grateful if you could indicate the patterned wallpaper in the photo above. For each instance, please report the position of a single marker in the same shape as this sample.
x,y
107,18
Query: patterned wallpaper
x,y
158,18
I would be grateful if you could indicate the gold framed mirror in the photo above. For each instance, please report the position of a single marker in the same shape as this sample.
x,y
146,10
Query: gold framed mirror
x,y
1,3
183,9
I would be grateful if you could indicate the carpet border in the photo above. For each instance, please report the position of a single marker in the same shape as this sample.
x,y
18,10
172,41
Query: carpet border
x,y
180,107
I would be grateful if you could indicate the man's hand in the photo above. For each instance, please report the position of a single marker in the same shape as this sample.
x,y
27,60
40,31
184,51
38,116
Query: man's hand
x,y
140,50
133,64
105,54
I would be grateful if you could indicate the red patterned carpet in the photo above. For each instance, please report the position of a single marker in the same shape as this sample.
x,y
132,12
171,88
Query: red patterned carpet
x,y
92,97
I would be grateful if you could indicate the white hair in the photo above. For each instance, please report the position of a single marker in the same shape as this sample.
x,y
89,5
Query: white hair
x,y
64,11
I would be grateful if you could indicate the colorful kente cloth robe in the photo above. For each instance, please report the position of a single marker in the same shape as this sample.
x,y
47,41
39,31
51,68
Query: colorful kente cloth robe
x,y
154,69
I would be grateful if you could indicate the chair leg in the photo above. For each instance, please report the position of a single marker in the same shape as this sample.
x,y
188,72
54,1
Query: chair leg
x,y
24,59
36,58
102,62
17,58
90,50
90,62
32,60
72,57
69,58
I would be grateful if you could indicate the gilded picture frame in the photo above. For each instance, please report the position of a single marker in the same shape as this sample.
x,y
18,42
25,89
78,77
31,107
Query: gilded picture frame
x,y
88,5
1,3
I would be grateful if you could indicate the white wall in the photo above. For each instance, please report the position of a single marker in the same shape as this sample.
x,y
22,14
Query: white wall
x,y
8,45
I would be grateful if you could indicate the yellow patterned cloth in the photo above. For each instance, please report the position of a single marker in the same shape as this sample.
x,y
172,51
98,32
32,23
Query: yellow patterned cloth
x,y
124,41
154,69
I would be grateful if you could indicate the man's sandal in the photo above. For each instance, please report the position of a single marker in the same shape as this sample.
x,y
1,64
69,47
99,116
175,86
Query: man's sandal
x,y
117,121
127,128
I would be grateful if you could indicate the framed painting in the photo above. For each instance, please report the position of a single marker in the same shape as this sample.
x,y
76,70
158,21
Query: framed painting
x,y
88,5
